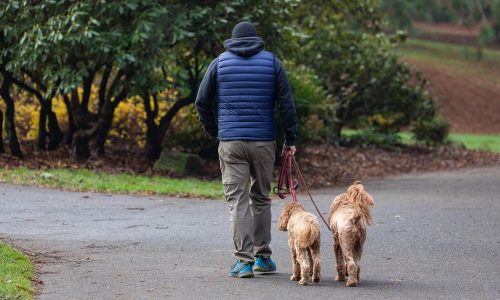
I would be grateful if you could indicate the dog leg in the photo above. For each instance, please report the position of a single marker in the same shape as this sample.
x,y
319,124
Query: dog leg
x,y
357,259
352,269
309,254
295,264
341,270
315,247
304,265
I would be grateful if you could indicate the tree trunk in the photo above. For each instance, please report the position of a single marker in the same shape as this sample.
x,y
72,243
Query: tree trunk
x,y
15,148
1,132
105,123
55,133
81,121
82,148
68,139
42,128
102,134
153,144
81,135
167,119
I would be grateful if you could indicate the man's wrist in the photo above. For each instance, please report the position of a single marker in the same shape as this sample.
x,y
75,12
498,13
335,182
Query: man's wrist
x,y
289,142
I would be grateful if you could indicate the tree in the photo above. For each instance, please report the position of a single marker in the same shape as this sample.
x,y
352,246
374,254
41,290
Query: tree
x,y
84,43
5,93
15,21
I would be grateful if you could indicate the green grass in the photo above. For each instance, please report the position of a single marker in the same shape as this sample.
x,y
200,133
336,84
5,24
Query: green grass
x,y
16,272
85,180
460,58
483,142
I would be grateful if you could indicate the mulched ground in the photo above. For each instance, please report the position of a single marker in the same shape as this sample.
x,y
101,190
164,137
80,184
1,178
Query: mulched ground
x,y
326,165
321,165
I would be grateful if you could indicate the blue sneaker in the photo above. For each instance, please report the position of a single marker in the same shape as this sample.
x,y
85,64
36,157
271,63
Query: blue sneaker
x,y
241,270
263,264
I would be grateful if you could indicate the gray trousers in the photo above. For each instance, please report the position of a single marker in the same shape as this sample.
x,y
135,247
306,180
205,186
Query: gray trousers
x,y
247,170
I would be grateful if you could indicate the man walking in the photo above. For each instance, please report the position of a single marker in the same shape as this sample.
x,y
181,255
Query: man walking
x,y
245,82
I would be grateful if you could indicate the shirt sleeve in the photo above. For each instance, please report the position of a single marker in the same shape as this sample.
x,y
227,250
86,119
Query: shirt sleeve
x,y
287,113
204,99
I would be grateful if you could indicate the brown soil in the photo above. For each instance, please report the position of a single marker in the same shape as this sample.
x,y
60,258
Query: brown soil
x,y
471,105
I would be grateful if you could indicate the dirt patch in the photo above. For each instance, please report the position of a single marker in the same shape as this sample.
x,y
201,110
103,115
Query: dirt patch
x,y
471,105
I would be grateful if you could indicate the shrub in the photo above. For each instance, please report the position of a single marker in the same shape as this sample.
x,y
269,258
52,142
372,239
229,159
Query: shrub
x,y
431,131
311,102
372,136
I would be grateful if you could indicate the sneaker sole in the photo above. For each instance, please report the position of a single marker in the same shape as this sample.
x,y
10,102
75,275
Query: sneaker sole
x,y
264,270
243,275
246,275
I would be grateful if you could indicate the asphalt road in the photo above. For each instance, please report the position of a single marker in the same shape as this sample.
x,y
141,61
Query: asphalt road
x,y
434,236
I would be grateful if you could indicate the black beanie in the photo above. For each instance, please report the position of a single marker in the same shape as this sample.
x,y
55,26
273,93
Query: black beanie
x,y
244,29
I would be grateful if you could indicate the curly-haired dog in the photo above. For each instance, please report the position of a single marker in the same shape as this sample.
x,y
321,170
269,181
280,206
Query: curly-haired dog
x,y
303,240
349,215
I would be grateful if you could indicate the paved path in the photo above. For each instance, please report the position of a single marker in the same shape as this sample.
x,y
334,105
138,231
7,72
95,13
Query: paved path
x,y
435,236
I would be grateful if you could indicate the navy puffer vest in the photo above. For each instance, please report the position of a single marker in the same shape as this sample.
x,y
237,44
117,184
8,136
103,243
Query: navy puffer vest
x,y
246,92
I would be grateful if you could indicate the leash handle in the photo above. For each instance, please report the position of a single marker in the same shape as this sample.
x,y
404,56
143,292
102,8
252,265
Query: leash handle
x,y
286,186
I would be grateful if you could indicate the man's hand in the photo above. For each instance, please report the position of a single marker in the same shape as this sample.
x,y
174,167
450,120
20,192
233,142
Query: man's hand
x,y
289,148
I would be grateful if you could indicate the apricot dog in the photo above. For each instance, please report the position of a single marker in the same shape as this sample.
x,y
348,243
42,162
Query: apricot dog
x,y
349,215
303,240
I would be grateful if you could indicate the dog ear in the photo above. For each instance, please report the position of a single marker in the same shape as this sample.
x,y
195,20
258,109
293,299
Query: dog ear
x,y
284,217
358,194
355,192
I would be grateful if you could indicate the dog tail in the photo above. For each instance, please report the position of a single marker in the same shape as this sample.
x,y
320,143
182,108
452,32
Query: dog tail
x,y
309,233
362,200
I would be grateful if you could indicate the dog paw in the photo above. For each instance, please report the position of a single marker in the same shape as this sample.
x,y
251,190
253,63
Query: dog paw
x,y
295,277
303,282
339,278
352,283
316,279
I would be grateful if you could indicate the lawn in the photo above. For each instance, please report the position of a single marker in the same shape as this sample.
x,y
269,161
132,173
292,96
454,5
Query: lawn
x,y
483,142
16,272
86,180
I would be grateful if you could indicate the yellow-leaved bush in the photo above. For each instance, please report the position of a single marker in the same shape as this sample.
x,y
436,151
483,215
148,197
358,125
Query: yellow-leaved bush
x,y
129,120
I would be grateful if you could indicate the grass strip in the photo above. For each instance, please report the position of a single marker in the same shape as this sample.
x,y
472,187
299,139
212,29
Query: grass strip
x,y
471,141
16,272
88,181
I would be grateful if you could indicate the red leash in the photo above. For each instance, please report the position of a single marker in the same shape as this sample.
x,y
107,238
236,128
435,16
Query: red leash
x,y
286,184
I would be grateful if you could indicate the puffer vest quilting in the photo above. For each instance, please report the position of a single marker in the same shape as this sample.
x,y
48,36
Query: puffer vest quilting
x,y
246,92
